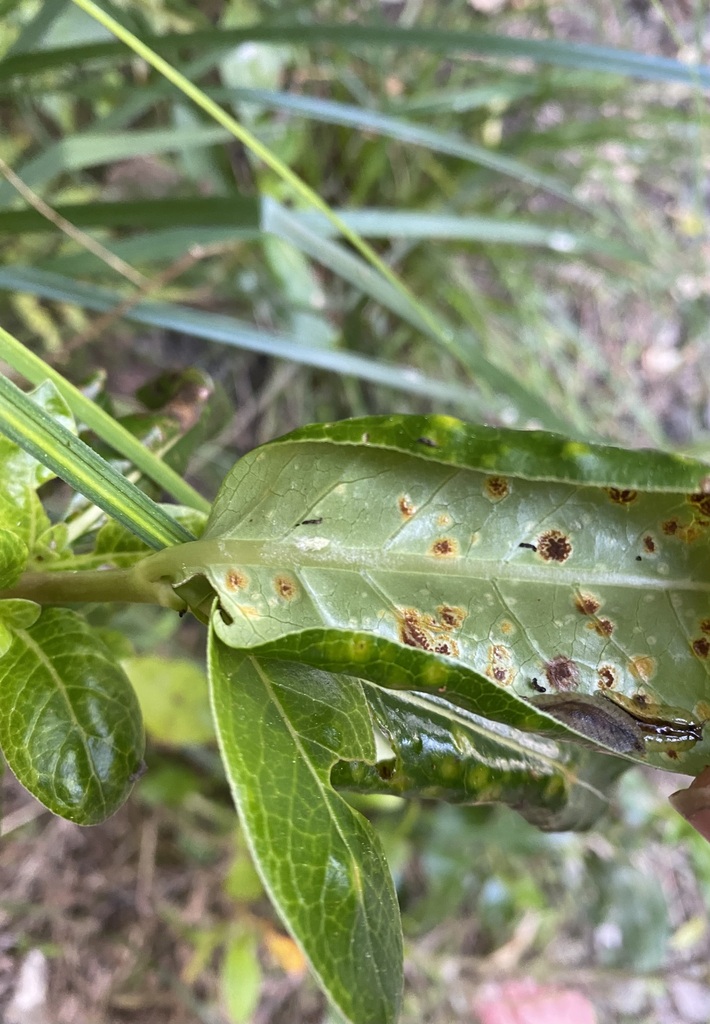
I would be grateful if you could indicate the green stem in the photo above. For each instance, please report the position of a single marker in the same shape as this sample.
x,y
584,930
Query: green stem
x,y
104,585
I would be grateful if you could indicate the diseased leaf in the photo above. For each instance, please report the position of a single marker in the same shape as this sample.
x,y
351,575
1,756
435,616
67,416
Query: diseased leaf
x,y
444,753
485,564
70,724
281,727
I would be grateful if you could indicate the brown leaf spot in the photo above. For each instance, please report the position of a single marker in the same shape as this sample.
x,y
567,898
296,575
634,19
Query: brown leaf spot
x,y
451,617
562,673
673,754
235,580
286,587
649,544
496,488
445,547
554,546
705,626
607,676
587,604
412,632
449,647
689,533
701,502
604,627
500,665
701,646
642,666
622,497
423,631
405,506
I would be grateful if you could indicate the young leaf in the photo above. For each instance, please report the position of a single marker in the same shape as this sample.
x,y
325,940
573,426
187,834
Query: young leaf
x,y
281,728
70,724
422,553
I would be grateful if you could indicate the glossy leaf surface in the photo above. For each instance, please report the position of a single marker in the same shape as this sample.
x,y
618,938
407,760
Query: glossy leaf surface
x,y
441,752
281,727
70,725
491,565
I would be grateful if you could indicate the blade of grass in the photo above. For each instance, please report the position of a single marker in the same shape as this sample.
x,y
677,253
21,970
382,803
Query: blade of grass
x,y
230,331
184,219
602,59
29,426
36,370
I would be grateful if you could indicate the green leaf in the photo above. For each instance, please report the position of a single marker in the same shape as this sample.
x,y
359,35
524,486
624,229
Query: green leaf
x,y
37,371
46,439
484,564
13,557
281,728
21,475
70,724
442,752
173,697
240,977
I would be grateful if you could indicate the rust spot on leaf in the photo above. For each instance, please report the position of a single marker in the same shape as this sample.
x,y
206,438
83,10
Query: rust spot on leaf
x,y
444,520
642,666
286,587
587,604
423,631
507,627
236,580
607,676
451,617
701,647
554,546
448,647
622,497
705,626
689,533
405,506
500,665
604,627
496,488
701,502
649,544
562,673
445,547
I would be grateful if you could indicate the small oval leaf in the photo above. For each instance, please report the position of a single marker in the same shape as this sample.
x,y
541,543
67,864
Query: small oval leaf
x,y
70,724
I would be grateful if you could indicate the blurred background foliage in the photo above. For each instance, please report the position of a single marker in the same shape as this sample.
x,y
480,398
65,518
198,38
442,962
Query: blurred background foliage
x,y
551,215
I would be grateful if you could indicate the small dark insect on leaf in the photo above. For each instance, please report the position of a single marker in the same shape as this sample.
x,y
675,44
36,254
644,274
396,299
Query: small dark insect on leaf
x,y
311,522
427,441
538,686
530,547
